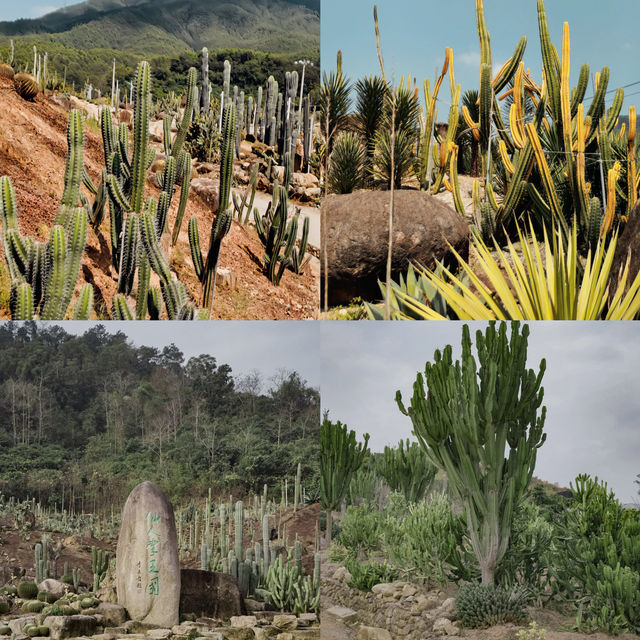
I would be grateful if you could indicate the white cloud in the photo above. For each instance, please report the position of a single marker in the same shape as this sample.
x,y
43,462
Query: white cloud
x,y
41,10
468,58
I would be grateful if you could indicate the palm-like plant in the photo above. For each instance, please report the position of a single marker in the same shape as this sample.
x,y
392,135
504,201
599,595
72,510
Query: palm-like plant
x,y
371,93
346,165
532,284
406,111
335,102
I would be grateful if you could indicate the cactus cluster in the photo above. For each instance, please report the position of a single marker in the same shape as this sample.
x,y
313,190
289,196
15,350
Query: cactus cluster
x,y
278,232
44,274
99,566
479,606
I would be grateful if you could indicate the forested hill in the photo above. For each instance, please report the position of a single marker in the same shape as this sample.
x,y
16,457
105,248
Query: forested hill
x,y
168,27
90,416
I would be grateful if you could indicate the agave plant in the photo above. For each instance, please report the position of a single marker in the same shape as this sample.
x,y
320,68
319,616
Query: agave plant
x,y
551,283
346,164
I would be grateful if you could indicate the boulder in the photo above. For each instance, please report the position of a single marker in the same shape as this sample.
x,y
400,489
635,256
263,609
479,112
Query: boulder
x,y
211,594
113,615
344,614
61,627
304,180
17,625
147,565
628,245
356,227
285,622
55,587
243,621
126,116
444,627
446,610
207,190
156,131
373,633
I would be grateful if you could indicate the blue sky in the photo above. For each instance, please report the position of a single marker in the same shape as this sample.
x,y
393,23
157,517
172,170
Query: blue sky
x,y
30,8
592,389
414,34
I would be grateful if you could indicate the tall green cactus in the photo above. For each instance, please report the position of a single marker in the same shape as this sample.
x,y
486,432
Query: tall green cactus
x,y
341,455
99,566
472,411
206,271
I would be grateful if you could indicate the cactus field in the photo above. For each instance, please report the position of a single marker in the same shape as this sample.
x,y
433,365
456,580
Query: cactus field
x,y
156,224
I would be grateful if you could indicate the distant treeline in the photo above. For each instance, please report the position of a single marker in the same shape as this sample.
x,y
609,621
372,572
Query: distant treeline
x,y
83,419
77,67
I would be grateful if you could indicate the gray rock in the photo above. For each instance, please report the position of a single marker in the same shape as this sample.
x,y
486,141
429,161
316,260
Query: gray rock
x,y
55,587
147,565
446,610
343,614
61,627
210,594
373,633
207,190
113,615
444,627
285,622
18,624
356,227
244,621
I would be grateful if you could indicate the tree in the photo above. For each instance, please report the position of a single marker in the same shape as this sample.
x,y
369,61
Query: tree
x,y
481,425
340,457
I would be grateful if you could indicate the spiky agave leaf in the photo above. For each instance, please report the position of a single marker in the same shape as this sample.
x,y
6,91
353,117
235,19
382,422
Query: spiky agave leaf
x,y
551,284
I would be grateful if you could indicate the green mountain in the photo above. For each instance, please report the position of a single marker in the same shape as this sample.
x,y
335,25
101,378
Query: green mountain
x,y
168,27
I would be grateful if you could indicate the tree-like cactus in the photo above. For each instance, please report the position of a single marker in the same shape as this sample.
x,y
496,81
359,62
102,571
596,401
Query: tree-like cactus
x,y
341,455
472,411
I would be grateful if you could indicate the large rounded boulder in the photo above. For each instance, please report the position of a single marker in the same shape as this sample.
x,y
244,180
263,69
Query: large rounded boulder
x,y
356,227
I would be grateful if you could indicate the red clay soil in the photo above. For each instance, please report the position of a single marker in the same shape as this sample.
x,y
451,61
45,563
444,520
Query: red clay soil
x,y
33,149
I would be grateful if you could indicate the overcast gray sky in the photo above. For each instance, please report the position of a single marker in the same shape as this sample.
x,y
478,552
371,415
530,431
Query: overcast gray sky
x,y
245,346
592,389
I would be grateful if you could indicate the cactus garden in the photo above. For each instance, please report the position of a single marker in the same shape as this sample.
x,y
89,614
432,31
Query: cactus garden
x,y
235,457
133,201
453,532
513,198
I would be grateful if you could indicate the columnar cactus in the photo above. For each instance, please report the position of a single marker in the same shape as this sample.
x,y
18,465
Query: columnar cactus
x,y
464,422
204,82
341,455
99,566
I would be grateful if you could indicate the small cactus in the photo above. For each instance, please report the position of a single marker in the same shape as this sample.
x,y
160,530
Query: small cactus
x,y
26,86
6,70
28,590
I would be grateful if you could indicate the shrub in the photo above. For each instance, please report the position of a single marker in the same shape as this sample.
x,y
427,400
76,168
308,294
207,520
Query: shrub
x,y
527,559
360,530
346,164
480,606
203,139
596,560
424,538
364,575
28,590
